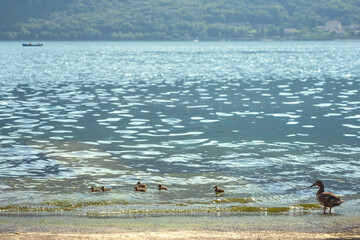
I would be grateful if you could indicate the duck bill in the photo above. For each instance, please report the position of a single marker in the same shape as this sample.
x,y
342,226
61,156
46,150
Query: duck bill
x,y
312,185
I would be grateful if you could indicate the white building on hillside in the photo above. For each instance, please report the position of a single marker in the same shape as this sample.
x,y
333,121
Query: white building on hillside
x,y
331,26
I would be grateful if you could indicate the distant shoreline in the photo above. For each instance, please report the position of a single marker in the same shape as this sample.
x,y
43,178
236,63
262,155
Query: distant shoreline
x,y
242,40
180,20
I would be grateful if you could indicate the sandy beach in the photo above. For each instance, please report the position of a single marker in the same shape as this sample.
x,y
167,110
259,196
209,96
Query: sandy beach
x,y
181,227
354,234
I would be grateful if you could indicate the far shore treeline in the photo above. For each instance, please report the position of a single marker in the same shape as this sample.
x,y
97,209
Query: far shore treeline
x,y
178,20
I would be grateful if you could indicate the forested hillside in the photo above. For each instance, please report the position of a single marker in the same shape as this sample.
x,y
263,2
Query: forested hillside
x,y
175,20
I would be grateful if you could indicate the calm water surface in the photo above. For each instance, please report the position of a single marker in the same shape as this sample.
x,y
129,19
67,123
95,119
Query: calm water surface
x,y
263,120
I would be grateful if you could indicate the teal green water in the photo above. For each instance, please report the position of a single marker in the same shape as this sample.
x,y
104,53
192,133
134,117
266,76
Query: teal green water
x,y
263,120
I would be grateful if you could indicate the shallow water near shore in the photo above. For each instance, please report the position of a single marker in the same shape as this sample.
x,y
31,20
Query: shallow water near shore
x,y
263,120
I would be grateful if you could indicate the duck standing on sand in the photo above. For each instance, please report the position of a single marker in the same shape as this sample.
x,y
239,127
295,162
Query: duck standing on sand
x,y
105,189
92,189
140,189
218,190
161,187
327,199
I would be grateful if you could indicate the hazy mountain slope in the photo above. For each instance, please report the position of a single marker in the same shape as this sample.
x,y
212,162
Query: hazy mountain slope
x,y
168,19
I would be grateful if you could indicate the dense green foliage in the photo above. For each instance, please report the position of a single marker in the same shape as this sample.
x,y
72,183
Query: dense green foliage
x,y
173,20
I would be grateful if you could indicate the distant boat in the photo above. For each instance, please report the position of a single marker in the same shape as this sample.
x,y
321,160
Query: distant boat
x,y
32,45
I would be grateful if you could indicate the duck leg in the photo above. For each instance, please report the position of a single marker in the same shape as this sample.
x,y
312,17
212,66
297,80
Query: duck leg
x,y
324,209
330,210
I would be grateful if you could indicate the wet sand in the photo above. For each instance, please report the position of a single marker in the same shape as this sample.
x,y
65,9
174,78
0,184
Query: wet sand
x,y
201,234
315,226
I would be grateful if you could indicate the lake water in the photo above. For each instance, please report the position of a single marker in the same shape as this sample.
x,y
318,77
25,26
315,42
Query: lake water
x,y
263,120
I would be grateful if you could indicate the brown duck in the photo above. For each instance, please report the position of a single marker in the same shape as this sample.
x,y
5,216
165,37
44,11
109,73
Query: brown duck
x,y
139,189
105,189
92,189
327,199
218,190
141,185
161,187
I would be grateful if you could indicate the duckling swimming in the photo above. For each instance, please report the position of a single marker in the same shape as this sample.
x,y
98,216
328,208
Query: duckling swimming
x,y
141,185
327,199
218,190
139,189
161,187
92,189
105,189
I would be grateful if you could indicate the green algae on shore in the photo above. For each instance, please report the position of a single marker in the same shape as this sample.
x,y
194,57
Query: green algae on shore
x,y
198,210
68,207
205,207
61,206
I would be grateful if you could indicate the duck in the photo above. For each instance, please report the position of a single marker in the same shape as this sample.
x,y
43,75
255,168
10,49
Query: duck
x,y
139,189
161,187
218,190
141,185
105,189
327,199
92,189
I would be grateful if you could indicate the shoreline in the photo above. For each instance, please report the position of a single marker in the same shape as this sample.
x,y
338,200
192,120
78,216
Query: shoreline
x,y
269,235
184,41
316,226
